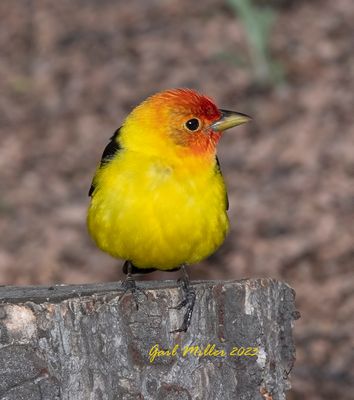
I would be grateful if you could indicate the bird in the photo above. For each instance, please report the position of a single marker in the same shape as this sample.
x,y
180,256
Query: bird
x,y
158,197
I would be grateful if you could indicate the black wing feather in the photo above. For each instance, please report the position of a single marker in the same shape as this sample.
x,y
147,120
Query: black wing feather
x,y
110,150
218,168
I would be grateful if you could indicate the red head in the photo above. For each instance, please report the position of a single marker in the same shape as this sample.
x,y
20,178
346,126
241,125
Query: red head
x,y
183,118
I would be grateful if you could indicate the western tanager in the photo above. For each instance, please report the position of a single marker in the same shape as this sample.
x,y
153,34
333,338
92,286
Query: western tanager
x,y
158,198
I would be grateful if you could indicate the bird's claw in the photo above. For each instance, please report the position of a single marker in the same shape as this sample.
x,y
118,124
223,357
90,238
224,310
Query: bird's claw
x,y
129,285
188,301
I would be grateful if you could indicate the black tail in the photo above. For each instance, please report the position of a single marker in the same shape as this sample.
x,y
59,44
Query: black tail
x,y
136,270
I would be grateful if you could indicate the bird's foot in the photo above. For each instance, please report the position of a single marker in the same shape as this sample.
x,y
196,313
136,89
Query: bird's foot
x,y
188,302
129,285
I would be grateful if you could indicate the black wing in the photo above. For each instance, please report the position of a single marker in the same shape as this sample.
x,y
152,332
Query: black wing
x,y
218,168
108,153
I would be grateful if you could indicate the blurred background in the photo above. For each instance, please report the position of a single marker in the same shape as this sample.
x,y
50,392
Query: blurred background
x,y
70,71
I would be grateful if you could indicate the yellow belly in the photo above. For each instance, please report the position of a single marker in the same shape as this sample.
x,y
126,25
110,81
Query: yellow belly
x,y
155,214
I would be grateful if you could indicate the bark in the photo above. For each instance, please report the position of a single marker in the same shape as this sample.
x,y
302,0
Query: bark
x,y
84,342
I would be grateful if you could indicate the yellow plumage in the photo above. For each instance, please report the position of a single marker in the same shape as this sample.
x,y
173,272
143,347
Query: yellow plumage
x,y
157,213
160,200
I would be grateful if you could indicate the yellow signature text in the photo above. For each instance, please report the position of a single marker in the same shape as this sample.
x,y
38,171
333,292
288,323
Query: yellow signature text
x,y
210,350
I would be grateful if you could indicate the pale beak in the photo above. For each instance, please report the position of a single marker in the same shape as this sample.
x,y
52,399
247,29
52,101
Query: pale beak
x,y
228,120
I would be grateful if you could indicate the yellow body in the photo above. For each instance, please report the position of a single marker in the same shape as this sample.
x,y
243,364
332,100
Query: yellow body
x,y
160,200
156,212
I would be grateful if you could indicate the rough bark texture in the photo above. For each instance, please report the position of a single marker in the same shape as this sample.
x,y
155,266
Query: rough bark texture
x,y
83,342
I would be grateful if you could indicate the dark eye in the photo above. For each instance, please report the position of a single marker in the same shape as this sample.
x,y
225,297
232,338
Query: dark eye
x,y
192,124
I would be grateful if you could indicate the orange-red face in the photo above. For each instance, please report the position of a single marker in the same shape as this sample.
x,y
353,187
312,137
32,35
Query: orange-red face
x,y
181,119
189,117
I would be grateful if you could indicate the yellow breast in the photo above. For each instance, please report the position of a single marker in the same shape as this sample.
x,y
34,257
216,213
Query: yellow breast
x,y
158,213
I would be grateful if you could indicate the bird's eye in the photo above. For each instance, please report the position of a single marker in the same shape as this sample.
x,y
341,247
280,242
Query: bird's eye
x,y
192,124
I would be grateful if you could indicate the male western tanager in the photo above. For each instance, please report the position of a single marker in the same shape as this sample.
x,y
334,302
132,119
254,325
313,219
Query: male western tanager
x,y
158,199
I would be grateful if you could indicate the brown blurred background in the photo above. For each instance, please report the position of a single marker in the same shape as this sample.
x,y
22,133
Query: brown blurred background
x,y
71,70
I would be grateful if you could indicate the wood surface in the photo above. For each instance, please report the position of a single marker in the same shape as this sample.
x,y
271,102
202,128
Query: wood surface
x,y
83,342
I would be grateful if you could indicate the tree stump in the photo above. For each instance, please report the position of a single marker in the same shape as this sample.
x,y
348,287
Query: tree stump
x,y
83,342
